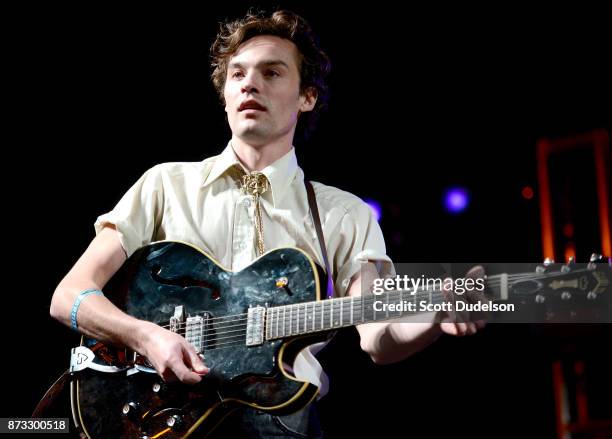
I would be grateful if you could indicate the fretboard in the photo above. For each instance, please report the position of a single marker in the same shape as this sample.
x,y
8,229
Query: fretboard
x,y
324,315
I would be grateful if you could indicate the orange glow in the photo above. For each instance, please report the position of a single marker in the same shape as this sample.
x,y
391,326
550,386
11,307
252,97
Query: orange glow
x,y
161,433
570,251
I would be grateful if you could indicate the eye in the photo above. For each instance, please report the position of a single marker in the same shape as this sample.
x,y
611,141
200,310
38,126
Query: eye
x,y
237,74
272,73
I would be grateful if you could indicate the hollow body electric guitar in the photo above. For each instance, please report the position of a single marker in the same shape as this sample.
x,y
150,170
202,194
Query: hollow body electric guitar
x,y
247,324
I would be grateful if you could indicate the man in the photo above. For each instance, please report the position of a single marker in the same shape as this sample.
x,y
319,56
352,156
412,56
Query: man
x,y
270,73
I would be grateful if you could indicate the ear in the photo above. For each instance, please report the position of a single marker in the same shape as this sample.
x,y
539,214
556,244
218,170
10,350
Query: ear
x,y
308,99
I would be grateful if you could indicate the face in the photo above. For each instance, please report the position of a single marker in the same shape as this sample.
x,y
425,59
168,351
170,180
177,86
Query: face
x,y
262,90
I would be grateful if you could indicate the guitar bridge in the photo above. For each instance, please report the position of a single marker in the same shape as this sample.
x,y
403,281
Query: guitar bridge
x,y
255,326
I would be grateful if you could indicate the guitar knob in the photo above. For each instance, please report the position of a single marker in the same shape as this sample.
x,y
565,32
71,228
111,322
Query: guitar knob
x,y
131,410
159,388
565,295
174,422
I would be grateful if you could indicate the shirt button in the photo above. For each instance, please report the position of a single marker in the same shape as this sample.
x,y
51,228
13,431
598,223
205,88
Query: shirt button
x,y
246,202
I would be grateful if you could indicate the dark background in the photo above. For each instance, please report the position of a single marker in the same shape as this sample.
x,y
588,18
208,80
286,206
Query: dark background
x,y
420,100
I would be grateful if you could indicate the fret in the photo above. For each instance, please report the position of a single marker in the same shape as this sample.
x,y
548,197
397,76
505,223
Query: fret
x,y
362,309
322,313
331,313
336,312
401,302
284,321
290,318
314,313
387,309
373,312
298,318
352,304
277,320
341,310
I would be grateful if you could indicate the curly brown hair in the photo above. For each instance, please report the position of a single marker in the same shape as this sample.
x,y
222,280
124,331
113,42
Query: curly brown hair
x,y
314,65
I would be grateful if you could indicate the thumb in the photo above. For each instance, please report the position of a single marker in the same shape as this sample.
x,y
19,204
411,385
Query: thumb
x,y
193,360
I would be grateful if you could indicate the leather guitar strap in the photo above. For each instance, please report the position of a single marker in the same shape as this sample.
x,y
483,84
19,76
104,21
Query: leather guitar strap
x,y
312,202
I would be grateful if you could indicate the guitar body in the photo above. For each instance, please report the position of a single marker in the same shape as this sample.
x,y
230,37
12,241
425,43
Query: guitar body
x,y
152,285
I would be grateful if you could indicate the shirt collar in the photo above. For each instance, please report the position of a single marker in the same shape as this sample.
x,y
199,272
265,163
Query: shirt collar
x,y
280,174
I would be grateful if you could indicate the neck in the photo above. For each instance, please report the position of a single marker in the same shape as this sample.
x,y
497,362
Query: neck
x,y
257,157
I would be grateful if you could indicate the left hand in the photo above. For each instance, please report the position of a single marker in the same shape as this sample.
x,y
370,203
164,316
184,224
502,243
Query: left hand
x,y
464,322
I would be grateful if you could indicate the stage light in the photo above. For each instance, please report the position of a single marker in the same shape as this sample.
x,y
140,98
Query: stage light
x,y
456,200
376,208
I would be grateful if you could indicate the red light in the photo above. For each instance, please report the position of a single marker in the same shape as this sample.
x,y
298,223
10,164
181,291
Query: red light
x,y
527,192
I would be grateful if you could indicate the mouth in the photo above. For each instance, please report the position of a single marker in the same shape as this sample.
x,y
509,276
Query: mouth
x,y
251,105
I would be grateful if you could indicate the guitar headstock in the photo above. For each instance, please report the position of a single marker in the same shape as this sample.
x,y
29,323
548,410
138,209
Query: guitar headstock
x,y
572,280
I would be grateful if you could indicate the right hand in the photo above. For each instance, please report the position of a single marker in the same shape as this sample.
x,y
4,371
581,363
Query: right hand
x,y
171,355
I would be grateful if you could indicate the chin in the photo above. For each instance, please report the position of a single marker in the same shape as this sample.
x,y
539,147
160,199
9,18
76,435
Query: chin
x,y
254,135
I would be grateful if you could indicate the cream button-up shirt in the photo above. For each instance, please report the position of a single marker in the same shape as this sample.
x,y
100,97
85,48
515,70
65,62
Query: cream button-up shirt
x,y
201,203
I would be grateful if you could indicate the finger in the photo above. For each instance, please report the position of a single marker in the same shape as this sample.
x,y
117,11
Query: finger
x,y
193,360
168,376
461,328
450,299
449,328
457,329
184,374
471,328
476,272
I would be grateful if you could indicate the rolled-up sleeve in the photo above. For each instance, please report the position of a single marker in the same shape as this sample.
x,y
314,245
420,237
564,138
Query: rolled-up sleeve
x,y
138,213
357,240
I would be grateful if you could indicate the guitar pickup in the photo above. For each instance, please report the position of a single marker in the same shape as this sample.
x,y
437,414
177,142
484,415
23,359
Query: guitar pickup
x,y
255,326
195,333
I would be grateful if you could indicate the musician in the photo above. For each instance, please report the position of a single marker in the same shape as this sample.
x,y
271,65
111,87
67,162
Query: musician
x,y
271,76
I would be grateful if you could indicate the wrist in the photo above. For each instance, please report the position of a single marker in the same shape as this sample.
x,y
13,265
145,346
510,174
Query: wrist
x,y
139,334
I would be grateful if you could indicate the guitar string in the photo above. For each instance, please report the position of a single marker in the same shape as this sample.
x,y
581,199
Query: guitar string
x,y
221,336
220,332
491,283
304,317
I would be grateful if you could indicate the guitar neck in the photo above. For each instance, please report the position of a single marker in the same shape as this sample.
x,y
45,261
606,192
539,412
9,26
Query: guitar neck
x,y
325,315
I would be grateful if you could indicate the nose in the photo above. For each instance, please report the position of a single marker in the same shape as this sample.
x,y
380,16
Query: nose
x,y
249,83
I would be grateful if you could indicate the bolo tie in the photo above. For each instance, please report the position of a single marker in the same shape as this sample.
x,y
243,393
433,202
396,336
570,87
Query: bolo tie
x,y
255,184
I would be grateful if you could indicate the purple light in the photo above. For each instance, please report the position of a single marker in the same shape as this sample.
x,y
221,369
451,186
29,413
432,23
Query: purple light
x,y
456,200
376,208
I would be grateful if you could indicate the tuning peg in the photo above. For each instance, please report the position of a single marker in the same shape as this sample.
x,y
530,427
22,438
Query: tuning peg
x,y
596,257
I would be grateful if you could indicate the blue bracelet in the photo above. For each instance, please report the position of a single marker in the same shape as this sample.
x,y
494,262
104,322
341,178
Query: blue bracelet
x,y
77,303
